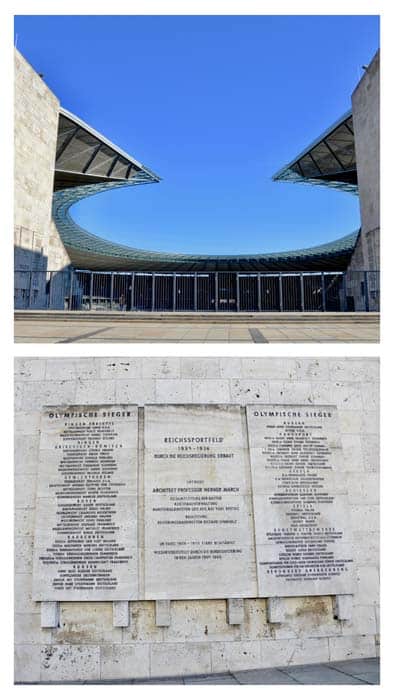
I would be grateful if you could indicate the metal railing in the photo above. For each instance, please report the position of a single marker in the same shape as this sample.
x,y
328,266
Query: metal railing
x,y
75,290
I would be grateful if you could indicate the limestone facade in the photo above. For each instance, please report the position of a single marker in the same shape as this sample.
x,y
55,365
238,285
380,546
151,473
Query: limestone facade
x,y
199,637
366,116
37,243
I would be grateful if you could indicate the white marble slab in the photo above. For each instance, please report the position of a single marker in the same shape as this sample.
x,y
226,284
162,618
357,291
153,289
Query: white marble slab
x,y
85,543
300,503
198,511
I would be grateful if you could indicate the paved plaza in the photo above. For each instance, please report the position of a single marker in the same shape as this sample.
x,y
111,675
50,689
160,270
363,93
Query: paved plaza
x,y
352,672
112,327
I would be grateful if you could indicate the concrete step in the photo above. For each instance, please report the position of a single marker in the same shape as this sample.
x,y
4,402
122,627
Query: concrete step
x,y
219,317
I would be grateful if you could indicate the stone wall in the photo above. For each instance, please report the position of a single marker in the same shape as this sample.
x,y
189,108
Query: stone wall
x,y
36,118
366,116
86,646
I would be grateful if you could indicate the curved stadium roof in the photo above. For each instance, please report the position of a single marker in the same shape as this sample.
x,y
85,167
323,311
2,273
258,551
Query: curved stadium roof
x,y
87,163
330,160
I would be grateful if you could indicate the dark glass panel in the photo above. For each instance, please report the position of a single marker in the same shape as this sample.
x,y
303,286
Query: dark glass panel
x,y
102,162
308,167
342,143
77,152
325,160
120,168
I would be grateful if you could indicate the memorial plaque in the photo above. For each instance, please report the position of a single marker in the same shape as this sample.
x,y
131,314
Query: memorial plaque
x,y
302,528
198,514
85,545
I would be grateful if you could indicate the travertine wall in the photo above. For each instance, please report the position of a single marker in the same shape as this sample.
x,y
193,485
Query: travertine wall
x,y
37,242
86,646
366,116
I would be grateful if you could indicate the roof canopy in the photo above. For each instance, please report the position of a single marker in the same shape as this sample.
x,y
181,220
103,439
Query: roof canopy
x,y
87,163
84,156
330,160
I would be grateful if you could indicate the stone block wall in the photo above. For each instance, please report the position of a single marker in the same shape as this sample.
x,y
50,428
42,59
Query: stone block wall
x,y
366,116
199,639
36,114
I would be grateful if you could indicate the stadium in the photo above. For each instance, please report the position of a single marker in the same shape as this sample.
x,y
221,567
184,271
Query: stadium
x,y
92,273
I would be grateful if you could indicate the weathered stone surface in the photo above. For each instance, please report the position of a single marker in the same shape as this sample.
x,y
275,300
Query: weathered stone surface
x,y
302,525
120,661
188,659
351,647
283,652
307,617
27,663
28,630
86,516
86,623
36,119
70,663
198,520
210,391
237,656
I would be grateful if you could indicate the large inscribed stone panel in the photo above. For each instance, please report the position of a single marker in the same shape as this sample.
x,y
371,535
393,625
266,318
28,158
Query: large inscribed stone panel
x,y
85,545
198,516
302,528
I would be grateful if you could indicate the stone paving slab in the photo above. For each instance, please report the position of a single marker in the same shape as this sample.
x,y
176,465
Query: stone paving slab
x,y
250,331
355,666
322,675
268,676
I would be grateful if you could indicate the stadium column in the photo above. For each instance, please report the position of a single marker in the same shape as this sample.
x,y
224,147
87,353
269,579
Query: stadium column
x,y
91,291
70,300
132,291
323,291
302,291
216,291
153,290
112,291
280,292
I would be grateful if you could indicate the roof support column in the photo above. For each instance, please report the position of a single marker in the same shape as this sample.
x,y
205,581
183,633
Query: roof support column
x,y
70,298
259,291
153,290
280,292
112,291
132,285
174,291
323,291
237,292
216,291
302,291
195,291
91,291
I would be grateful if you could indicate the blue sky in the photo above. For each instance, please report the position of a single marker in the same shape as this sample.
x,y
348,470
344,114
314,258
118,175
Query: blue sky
x,y
214,105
